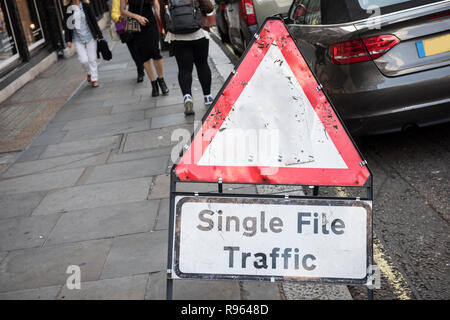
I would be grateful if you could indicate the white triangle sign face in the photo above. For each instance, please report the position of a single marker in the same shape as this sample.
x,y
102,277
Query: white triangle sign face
x,y
303,139
272,125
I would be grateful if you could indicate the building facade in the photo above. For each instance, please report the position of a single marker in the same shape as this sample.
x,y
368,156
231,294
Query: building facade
x,y
30,30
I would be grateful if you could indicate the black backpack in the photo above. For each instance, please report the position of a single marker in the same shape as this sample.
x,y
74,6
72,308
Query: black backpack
x,y
183,16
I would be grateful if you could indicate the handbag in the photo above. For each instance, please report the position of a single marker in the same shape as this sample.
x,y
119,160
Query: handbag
x,y
208,21
104,49
121,26
132,25
211,19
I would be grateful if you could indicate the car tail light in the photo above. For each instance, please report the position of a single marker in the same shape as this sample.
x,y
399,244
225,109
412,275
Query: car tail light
x,y
379,45
348,52
367,49
248,12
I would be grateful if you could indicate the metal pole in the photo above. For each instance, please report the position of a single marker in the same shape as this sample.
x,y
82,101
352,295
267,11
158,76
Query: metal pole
x,y
316,191
369,294
370,197
169,284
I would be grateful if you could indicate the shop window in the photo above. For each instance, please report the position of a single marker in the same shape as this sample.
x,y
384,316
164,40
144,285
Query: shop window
x,y
31,22
8,44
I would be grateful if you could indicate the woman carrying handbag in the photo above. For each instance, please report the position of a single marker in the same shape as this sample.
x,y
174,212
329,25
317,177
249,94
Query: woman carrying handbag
x,y
129,41
146,36
81,29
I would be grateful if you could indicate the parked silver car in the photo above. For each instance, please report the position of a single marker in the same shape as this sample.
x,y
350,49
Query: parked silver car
x,y
385,64
238,20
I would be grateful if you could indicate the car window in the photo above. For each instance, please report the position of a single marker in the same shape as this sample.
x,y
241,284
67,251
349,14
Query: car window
x,y
366,4
313,13
363,9
343,11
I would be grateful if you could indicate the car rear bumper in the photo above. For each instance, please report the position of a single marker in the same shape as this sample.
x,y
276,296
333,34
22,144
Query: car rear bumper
x,y
421,115
381,104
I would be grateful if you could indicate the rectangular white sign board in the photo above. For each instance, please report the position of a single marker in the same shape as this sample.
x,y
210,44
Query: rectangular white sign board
x,y
271,239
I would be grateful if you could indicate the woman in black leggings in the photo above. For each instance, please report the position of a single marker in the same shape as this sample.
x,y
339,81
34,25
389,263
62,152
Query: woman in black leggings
x,y
190,49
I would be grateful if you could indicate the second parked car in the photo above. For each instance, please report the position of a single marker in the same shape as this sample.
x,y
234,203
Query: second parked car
x,y
238,20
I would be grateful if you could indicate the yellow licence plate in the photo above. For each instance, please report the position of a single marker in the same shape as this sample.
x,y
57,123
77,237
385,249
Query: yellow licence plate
x,y
433,46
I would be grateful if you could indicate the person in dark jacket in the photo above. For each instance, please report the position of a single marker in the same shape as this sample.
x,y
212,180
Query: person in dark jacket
x,y
82,30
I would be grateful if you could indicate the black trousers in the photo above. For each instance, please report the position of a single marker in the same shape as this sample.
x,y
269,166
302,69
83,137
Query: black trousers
x,y
136,56
188,53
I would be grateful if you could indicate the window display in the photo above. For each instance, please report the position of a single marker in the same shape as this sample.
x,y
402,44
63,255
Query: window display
x,y
8,47
31,22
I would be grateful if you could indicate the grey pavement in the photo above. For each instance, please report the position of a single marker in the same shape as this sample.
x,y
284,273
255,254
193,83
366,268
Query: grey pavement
x,y
92,190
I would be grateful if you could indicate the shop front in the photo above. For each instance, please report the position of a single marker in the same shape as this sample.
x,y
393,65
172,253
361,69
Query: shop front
x,y
30,30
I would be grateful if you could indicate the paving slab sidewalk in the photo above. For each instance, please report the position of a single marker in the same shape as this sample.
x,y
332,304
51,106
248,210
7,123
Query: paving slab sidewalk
x,y
92,190
86,192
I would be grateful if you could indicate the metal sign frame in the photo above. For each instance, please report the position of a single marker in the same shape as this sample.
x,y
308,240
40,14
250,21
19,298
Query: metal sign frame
x,y
172,235
174,180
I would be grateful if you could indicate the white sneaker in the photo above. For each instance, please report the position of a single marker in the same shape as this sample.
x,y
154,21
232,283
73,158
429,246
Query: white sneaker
x,y
208,100
188,105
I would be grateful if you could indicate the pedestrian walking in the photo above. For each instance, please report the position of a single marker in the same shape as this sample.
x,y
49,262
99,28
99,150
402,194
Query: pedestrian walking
x,y
147,40
190,45
82,30
129,41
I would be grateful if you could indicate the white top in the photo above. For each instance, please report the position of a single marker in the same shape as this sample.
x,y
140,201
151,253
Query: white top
x,y
81,32
199,34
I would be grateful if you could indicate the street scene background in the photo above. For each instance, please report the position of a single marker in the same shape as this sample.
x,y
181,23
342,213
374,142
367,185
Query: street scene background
x,y
86,183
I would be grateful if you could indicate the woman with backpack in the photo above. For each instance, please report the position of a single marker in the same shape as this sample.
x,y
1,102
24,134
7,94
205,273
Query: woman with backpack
x,y
190,44
81,29
147,40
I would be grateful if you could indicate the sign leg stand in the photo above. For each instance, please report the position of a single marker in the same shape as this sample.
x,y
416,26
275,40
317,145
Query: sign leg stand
x,y
316,191
169,284
169,289
370,294
370,196
370,287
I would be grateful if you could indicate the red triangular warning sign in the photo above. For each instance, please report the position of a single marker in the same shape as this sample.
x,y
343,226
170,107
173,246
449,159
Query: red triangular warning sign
x,y
272,123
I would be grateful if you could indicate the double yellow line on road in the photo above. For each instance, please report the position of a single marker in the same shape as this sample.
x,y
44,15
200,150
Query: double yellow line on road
x,y
396,280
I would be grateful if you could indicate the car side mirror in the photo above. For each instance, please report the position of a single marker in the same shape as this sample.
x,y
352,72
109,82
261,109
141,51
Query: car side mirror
x,y
297,13
300,12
